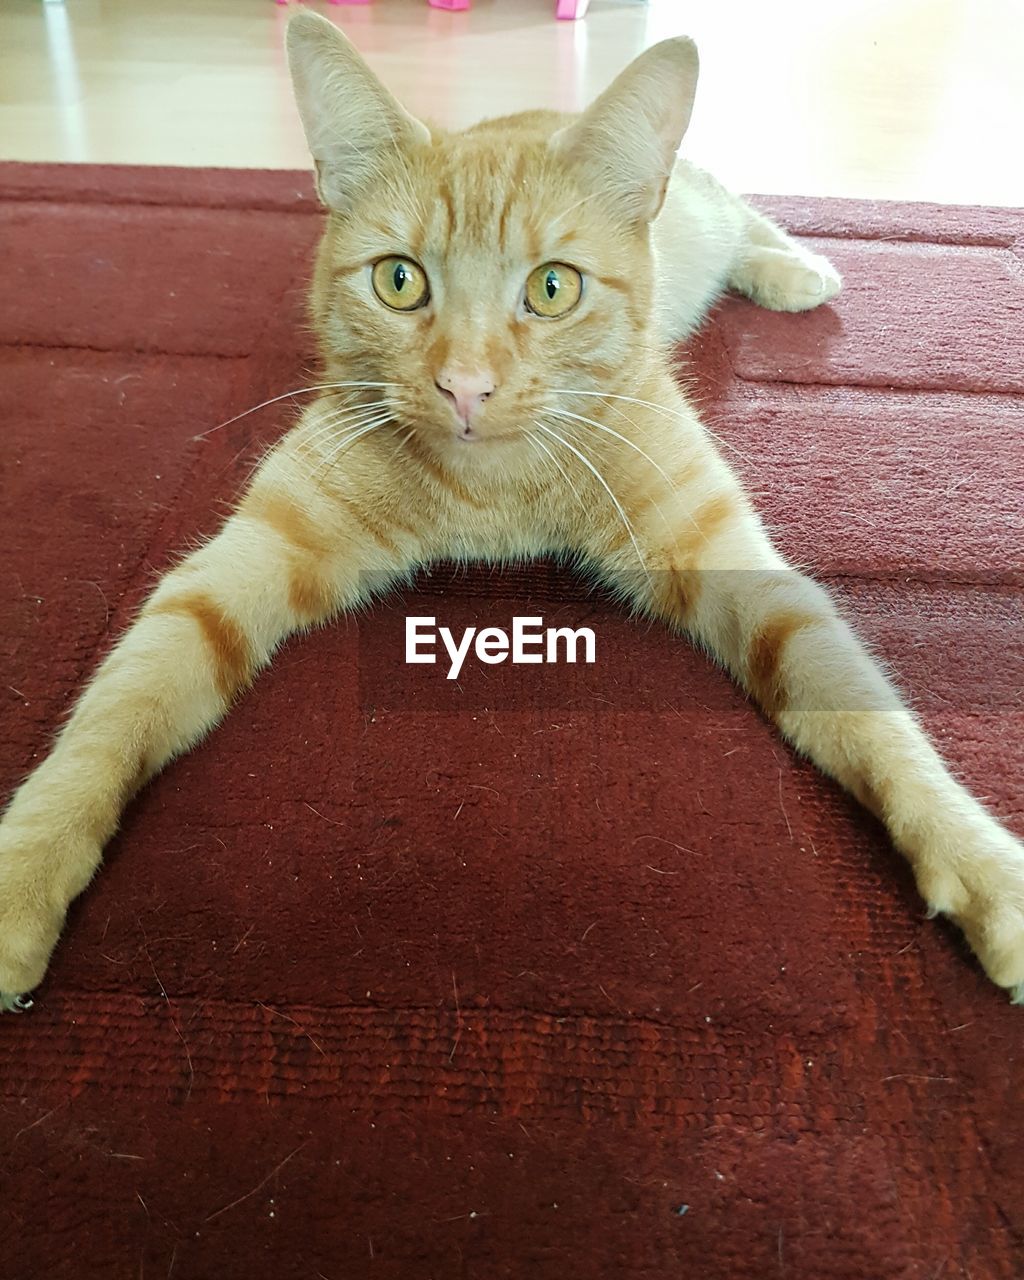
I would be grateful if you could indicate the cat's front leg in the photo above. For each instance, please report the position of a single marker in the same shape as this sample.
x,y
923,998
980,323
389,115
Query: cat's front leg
x,y
294,552
718,578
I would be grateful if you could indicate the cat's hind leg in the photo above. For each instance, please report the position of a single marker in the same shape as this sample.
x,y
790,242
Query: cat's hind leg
x,y
707,240
777,272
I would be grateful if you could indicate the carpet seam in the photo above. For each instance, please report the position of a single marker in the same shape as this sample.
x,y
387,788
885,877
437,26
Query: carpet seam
x,y
896,388
203,1001
19,345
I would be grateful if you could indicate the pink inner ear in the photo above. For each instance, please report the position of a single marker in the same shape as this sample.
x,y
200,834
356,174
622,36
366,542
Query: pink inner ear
x,y
450,4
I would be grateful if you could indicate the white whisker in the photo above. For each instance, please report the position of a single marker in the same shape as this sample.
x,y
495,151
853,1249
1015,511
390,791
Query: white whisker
x,y
604,484
349,430
649,404
342,418
564,413
565,475
348,441
321,386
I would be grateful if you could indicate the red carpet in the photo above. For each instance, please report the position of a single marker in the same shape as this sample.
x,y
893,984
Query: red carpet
x,y
405,980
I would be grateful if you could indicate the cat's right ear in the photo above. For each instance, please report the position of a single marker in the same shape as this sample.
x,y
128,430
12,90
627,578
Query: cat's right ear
x,y
350,119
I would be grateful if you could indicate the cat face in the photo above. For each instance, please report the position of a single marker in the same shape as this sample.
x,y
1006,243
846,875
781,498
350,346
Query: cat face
x,y
483,278
476,280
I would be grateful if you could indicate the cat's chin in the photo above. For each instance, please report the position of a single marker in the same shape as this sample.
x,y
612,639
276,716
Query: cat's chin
x,y
475,436
480,448
472,440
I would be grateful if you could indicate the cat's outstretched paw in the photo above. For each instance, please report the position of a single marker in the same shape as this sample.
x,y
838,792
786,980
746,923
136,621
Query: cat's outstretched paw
x,y
984,895
27,938
15,1004
788,279
33,903
995,931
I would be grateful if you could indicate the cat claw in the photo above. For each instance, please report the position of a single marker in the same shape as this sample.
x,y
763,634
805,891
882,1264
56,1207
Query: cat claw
x,y
10,1003
1017,994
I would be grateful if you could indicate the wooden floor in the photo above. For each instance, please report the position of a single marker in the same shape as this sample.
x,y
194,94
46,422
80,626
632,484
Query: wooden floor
x,y
907,99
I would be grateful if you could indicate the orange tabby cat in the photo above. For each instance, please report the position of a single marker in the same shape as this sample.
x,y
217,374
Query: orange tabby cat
x,y
494,309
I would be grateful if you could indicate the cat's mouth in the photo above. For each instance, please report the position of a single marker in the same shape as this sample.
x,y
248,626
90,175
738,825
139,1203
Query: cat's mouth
x,y
468,436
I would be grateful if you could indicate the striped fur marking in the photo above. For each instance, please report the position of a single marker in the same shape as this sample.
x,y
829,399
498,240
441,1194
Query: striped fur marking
x,y
765,654
228,646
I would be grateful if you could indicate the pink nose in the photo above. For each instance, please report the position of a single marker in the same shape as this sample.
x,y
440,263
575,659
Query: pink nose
x,y
465,392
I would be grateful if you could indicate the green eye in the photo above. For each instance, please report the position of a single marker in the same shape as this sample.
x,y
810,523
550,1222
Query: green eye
x,y
400,284
553,289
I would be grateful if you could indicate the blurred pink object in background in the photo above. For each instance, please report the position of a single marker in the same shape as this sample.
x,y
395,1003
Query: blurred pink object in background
x,y
566,9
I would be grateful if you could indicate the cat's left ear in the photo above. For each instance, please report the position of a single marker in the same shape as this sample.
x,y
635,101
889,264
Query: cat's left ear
x,y
626,141
351,120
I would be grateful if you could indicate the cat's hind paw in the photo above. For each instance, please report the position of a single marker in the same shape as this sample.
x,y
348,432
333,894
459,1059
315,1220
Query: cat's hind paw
x,y
787,279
